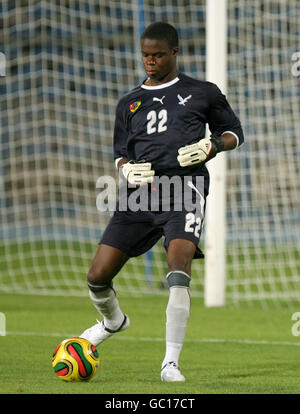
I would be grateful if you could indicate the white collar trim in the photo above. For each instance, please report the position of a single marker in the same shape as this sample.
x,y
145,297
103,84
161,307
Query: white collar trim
x,y
163,85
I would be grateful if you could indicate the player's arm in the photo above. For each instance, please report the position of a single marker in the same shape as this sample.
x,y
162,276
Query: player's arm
x,y
120,136
120,161
230,141
227,133
222,120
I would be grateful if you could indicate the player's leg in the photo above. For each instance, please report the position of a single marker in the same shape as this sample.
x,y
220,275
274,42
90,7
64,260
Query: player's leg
x,y
124,237
179,257
106,263
182,230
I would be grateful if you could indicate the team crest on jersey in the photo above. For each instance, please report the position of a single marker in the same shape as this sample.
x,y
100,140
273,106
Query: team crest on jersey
x,y
134,106
183,101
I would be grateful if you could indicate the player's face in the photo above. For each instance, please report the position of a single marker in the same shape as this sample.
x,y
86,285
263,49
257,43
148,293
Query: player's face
x,y
159,60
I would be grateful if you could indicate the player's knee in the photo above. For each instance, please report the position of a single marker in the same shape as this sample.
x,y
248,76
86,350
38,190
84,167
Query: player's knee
x,y
179,263
180,255
98,276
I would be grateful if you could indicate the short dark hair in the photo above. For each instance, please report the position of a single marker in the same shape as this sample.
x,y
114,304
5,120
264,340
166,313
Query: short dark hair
x,y
161,31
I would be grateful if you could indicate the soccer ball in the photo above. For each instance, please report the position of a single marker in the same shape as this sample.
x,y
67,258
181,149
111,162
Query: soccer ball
x,y
75,359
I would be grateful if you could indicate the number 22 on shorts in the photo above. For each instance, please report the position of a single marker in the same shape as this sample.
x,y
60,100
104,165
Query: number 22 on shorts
x,y
193,224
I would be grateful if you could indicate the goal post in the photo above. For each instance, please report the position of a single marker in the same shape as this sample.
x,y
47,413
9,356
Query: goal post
x,y
215,233
63,68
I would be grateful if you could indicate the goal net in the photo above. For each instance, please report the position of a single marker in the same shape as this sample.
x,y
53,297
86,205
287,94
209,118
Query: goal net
x,y
67,64
263,190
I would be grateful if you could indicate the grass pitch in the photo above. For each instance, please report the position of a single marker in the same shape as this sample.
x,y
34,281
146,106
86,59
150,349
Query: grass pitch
x,y
227,350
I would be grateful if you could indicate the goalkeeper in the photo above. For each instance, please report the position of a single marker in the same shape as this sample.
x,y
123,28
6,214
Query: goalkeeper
x,y
159,131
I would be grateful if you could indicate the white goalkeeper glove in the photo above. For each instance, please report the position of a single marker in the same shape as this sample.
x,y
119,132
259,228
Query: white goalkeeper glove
x,y
138,172
200,152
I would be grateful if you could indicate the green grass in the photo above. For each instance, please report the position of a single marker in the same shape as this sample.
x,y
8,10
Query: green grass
x,y
258,354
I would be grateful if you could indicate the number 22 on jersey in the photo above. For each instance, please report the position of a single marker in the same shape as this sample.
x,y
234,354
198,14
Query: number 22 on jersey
x,y
157,121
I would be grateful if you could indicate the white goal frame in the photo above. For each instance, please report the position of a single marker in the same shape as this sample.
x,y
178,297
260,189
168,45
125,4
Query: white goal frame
x,y
215,227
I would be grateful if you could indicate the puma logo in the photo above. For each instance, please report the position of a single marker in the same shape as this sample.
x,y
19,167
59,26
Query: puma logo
x,y
155,99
